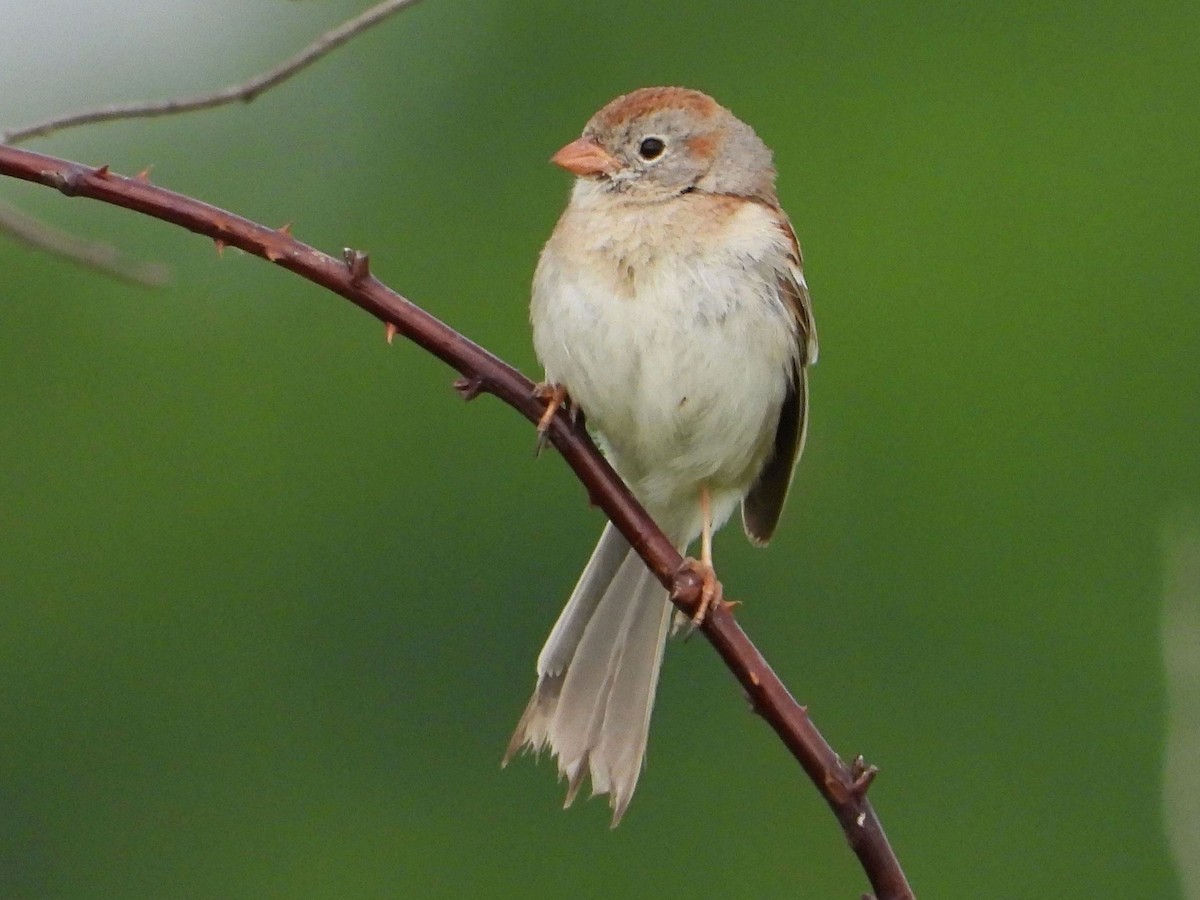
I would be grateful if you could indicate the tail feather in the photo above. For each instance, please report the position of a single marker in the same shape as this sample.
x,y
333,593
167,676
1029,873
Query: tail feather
x,y
600,571
631,701
597,675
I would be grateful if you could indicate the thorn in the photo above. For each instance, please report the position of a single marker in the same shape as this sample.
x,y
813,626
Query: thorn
x,y
754,679
469,387
273,254
220,245
358,263
101,172
389,331
285,229
144,175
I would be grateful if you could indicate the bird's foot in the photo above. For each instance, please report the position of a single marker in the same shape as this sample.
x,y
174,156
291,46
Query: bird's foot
x,y
711,593
555,396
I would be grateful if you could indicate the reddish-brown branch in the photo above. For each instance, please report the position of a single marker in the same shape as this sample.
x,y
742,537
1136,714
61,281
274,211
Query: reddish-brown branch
x,y
843,786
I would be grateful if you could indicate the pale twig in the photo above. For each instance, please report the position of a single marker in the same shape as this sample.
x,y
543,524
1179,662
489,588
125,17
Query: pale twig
x,y
843,787
92,254
1181,674
105,258
244,92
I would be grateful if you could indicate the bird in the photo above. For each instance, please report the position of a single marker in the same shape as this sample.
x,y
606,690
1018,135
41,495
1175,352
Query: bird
x,y
669,306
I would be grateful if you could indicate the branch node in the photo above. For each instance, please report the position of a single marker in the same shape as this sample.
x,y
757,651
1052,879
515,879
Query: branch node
x,y
359,264
863,775
469,386
67,184
686,586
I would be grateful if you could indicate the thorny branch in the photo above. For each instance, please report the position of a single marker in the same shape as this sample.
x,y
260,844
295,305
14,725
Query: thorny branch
x,y
843,786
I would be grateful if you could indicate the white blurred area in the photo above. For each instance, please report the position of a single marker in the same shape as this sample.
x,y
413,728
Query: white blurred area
x,y
1181,663
60,56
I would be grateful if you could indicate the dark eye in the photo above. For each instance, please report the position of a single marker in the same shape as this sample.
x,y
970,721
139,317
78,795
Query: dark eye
x,y
651,148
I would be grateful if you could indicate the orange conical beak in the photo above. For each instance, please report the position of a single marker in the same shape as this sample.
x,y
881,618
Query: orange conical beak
x,y
586,158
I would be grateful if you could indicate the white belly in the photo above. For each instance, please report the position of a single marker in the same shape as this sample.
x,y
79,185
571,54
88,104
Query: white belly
x,y
680,365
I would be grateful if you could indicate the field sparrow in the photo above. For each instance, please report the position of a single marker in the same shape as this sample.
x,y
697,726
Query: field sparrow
x,y
670,306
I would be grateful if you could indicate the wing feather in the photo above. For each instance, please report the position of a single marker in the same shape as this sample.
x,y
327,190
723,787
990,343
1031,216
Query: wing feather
x,y
764,503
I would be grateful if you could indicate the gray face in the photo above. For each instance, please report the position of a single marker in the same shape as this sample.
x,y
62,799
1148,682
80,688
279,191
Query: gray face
x,y
669,152
658,153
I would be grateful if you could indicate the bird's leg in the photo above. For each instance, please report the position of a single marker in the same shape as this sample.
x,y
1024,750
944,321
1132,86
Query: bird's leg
x,y
554,395
710,588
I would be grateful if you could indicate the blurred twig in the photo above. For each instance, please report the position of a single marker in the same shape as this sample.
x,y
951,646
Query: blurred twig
x,y
844,787
105,258
93,254
244,92
1181,666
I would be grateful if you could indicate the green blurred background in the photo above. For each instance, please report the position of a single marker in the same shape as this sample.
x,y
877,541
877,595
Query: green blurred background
x,y
271,596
